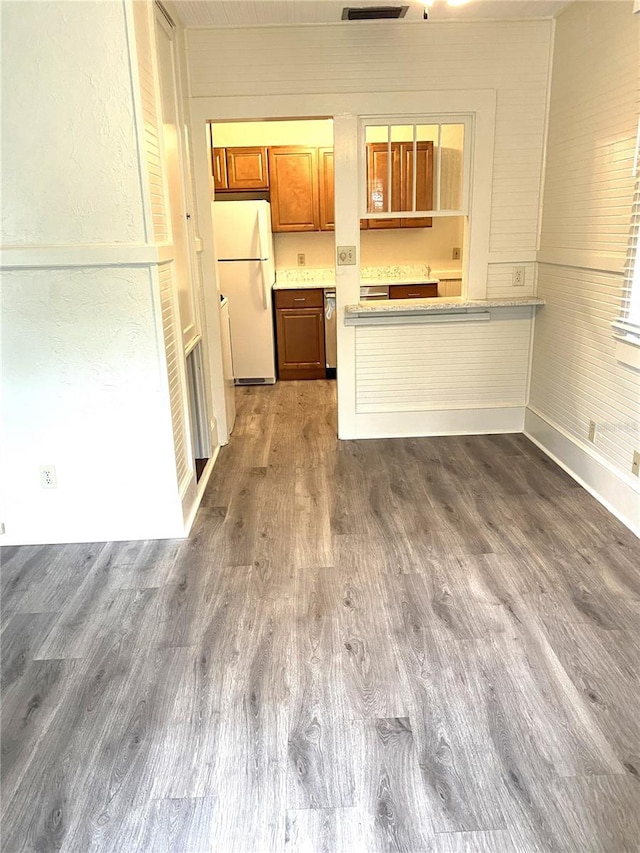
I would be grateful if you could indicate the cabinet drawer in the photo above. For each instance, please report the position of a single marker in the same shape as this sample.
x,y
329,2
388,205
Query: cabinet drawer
x,y
312,298
412,291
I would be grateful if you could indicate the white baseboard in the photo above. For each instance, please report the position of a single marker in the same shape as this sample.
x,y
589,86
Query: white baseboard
x,y
191,512
438,422
101,533
619,494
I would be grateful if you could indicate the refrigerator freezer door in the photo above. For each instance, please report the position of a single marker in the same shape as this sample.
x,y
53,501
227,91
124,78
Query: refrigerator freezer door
x,y
239,230
252,342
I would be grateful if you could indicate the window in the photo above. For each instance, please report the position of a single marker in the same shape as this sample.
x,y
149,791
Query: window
x,y
414,170
627,326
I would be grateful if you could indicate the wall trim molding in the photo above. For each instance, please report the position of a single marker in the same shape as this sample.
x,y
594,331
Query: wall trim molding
x,y
84,255
615,491
582,260
499,419
497,258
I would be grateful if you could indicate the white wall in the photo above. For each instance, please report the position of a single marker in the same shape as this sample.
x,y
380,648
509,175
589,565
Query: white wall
x,y
83,391
317,133
585,226
378,247
84,375
57,189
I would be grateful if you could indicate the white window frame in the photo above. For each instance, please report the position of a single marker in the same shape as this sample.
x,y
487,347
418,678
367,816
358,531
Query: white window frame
x,y
416,120
627,325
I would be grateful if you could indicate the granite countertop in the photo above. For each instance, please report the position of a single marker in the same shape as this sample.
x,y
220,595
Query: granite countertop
x,y
454,304
302,278
303,285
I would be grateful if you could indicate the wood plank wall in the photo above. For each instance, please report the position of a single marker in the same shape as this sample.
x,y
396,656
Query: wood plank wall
x,y
585,226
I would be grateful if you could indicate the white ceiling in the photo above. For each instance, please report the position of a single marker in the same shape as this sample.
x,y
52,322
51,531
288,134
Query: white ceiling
x,y
247,13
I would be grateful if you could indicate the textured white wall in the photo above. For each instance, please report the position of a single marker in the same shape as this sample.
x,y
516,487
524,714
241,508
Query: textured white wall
x,y
585,226
83,391
70,162
84,376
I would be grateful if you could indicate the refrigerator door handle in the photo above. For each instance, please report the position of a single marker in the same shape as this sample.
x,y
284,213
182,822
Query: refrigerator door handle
x,y
265,293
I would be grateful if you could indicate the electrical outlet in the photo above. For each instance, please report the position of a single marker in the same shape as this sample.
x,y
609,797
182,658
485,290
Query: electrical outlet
x,y
517,277
48,479
2,530
592,430
346,255
301,259
455,254
635,466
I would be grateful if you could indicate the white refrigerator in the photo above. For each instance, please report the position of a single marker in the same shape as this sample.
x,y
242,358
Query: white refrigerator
x,y
246,273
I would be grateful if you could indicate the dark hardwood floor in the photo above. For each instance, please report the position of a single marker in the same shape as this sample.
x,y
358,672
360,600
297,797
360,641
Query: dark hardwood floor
x,y
401,645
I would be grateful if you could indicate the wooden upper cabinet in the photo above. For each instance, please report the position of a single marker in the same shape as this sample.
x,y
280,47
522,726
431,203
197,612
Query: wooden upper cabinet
x,y
378,183
240,168
401,182
293,174
424,181
247,169
327,202
219,168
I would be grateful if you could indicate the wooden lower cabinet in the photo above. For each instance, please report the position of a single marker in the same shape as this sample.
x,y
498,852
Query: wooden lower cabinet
x,y
300,334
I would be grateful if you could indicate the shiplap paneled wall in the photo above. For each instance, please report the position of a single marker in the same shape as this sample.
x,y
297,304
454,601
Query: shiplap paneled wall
x,y
585,225
152,154
174,353
512,58
444,366
164,274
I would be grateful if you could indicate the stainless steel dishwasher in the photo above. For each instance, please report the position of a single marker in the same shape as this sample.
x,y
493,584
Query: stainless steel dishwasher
x,y
330,330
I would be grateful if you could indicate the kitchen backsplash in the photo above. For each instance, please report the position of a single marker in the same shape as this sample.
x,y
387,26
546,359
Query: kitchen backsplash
x,y
395,272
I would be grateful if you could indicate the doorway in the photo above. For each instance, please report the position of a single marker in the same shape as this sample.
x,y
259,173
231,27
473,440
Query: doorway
x,y
272,191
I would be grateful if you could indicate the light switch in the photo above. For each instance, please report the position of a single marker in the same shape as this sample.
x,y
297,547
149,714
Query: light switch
x,y
346,255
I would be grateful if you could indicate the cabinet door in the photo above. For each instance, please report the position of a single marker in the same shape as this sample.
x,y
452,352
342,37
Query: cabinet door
x,y
293,172
219,168
247,169
424,181
378,182
326,184
300,334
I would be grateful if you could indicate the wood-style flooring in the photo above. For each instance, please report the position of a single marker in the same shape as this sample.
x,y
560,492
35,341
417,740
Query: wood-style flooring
x,y
396,645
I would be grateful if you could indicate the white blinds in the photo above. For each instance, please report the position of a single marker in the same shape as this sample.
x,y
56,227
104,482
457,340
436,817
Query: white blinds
x,y
628,325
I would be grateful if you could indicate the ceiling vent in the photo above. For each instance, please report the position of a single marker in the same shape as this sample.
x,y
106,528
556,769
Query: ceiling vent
x,y
373,13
